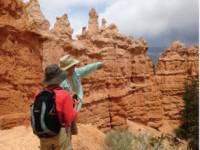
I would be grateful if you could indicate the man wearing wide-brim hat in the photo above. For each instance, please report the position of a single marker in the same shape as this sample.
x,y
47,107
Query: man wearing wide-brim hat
x,y
53,75
74,75
64,109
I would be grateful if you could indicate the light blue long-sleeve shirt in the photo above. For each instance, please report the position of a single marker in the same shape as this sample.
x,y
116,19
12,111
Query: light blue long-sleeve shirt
x,y
76,77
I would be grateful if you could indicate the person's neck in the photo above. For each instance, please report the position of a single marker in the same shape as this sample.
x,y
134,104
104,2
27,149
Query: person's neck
x,y
71,73
50,87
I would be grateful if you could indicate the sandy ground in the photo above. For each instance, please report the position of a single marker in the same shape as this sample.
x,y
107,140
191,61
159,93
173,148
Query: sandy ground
x,y
137,128
22,138
18,138
89,137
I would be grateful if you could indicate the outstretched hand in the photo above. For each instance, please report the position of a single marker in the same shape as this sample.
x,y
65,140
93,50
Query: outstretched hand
x,y
101,66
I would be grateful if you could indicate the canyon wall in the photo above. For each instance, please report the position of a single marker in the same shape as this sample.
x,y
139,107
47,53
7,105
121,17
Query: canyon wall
x,y
20,63
177,65
128,86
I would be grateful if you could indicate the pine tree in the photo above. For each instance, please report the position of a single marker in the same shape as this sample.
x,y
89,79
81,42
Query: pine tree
x,y
189,128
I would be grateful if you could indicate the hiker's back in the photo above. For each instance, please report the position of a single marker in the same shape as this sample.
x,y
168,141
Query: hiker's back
x,y
64,106
61,104
65,114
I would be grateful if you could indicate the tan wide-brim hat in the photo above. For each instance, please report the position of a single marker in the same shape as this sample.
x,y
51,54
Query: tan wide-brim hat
x,y
67,62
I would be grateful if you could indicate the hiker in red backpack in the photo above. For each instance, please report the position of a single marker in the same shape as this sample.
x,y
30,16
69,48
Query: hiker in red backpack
x,y
52,112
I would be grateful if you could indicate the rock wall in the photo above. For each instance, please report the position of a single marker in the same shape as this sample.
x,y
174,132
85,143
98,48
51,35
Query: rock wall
x,y
128,86
59,37
177,65
20,63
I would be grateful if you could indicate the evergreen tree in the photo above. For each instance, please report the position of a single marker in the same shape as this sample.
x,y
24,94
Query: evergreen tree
x,y
189,128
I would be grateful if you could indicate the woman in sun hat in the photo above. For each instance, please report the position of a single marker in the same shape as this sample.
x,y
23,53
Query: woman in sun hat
x,y
73,77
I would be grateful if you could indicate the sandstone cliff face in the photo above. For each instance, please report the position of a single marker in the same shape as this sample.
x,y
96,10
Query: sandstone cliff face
x,y
12,13
127,87
59,37
36,20
176,65
20,63
124,88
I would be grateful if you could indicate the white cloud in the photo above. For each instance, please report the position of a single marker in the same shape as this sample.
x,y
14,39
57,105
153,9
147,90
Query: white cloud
x,y
69,3
152,18
25,1
74,8
159,21
74,2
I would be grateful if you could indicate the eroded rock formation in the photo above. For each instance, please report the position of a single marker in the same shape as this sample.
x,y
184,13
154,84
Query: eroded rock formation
x,y
176,65
62,28
36,19
93,26
20,63
127,87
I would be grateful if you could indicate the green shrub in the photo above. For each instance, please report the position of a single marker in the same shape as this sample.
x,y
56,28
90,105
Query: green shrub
x,y
189,129
124,140
119,140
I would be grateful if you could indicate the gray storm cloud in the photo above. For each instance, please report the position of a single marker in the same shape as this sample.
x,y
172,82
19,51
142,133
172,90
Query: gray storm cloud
x,y
160,22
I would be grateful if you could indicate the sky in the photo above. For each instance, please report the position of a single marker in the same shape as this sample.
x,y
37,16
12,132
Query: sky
x,y
160,22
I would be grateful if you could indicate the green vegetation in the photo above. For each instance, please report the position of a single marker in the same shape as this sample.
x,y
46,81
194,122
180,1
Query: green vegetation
x,y
189,129
124,140
119,140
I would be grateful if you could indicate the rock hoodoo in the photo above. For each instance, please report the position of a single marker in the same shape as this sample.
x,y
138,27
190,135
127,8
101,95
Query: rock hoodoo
x,y
127,87
93,27
36,19
62,28
103,24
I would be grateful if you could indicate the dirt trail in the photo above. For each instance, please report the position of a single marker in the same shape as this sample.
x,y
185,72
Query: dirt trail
x,y
22,138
